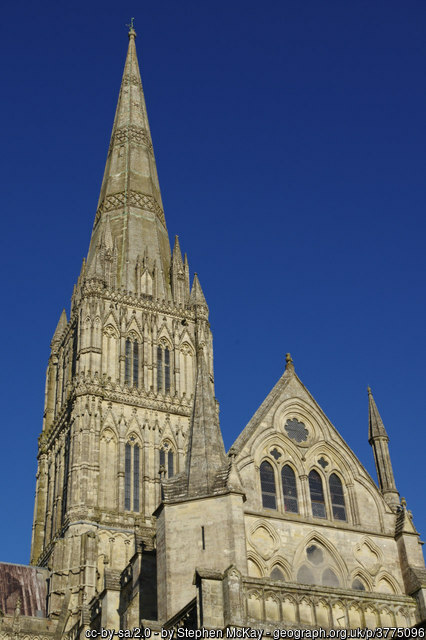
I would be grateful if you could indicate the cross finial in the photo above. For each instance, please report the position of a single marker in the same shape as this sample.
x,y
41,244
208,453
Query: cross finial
x,y
131,26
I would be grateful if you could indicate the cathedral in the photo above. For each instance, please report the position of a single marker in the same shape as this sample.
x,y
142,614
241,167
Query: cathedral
x,y
142,520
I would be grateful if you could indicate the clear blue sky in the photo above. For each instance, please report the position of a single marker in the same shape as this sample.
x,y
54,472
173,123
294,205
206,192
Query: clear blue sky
x,y
290,140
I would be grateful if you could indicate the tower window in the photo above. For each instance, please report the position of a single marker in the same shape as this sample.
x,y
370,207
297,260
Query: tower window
x,y
337,498
163,368
167,459
317,495
289,489
267,483
132,476
131,365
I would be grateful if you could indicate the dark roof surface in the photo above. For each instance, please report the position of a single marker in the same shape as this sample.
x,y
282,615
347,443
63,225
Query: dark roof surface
x,y
26,583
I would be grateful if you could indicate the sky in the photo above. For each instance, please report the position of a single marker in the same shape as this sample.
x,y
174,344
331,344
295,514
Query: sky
x,y
290,142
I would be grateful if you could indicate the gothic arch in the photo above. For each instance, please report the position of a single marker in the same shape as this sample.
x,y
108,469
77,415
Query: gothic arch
x,y
263,443
256,563
337,561
108,444
282,564
310,416
362,575
384,579
335,453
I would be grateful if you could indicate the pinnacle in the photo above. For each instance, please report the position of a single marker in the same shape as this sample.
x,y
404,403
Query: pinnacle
x,y
62,323
376,427
197,295
206,452
177,254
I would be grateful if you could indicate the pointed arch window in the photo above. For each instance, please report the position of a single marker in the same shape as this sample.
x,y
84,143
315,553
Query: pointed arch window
x,y
277,574
167,459
317,495
132,461
289,489
267,483
163,368
131,364
337,497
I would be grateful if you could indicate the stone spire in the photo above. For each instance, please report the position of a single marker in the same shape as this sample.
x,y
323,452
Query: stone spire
x,y
378,438
130,199
206,452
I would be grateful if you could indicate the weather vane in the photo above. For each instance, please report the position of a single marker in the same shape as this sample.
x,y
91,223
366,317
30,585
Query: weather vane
x,y
131,25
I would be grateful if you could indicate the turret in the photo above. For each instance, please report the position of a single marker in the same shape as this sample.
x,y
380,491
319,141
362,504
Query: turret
x,y
378,438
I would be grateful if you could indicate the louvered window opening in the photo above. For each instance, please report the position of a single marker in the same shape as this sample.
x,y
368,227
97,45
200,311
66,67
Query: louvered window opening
x,y
132,478
131,364
163,369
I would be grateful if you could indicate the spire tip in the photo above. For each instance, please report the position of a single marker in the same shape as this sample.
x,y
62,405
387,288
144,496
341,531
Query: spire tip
x,y
132,32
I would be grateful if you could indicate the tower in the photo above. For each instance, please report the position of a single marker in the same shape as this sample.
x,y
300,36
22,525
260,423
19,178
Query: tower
x,y
121,374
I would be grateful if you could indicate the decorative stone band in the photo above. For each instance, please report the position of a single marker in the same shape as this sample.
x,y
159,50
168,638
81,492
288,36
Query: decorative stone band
x,y
131,134
135,199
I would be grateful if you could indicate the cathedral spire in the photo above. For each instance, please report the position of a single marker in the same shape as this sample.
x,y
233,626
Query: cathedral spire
x,y
206,452
130,198
378,438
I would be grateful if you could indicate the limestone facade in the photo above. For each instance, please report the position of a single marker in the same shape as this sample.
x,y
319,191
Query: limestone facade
x,y
141,519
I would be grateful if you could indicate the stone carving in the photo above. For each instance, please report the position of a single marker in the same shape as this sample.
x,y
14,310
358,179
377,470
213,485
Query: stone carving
x,y
134,198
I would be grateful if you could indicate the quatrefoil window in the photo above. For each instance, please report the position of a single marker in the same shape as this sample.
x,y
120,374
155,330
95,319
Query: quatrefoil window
x,y
275,453
296,430
323,462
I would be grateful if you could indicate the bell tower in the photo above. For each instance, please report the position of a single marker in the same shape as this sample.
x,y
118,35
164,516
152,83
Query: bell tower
x,y
120,377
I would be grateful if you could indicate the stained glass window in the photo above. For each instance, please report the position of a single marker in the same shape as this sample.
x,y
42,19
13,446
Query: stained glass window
x,y
267,482
337,498
317,495
289,489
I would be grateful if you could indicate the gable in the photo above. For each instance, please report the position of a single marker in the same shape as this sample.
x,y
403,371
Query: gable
x,y
290,430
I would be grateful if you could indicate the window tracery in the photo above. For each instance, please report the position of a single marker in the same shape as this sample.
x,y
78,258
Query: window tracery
x,y
167,459
131,362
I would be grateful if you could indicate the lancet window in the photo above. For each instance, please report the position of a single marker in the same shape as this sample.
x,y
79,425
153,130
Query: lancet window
x,y
289,489
317,495
163,367
337,497
167,460
131,363
267,483
132,461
